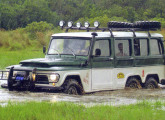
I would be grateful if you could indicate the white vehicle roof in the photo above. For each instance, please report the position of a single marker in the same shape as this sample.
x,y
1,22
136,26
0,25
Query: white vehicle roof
x,y
106,34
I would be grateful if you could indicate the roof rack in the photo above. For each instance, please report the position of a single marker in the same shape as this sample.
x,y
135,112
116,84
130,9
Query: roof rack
x,y
115,26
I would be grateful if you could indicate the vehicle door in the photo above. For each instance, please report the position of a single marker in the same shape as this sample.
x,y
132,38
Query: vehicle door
x,y
102,65
123,61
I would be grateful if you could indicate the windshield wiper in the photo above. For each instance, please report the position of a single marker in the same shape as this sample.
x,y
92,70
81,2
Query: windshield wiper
x,y
72,51
57,52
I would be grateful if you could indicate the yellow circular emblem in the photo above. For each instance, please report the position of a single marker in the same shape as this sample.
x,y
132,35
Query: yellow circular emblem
x,y
120,75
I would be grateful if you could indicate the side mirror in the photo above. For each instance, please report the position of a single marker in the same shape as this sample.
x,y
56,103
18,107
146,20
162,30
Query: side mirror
x,y
44,49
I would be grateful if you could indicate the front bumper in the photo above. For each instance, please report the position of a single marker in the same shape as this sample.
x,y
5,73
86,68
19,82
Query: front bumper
x,y
18,78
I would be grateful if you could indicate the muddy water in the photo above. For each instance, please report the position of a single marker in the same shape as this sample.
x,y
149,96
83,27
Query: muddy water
x,y
117,97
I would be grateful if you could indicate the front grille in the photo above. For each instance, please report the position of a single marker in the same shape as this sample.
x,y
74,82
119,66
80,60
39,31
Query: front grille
x,y
42,79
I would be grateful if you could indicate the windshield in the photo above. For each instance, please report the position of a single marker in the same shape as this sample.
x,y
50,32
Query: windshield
x,y
69,46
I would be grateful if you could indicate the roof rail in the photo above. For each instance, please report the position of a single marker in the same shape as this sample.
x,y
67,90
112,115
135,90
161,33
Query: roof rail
x,y
115,26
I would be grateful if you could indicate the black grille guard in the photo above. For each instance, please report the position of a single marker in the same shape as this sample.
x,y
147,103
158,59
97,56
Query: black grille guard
x,y
5,75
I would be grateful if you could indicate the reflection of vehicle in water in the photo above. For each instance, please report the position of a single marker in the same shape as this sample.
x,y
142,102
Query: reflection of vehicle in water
x,y
83,62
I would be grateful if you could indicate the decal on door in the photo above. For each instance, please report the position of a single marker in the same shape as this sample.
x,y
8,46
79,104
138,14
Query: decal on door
x,y
120,75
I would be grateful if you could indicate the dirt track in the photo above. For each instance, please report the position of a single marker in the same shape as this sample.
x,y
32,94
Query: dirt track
x,y
116,97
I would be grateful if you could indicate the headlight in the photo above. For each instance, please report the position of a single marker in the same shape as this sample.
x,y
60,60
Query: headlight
x,y
54,77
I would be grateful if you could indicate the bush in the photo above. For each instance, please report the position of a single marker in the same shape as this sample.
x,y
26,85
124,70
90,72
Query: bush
x,y
35,27
162,20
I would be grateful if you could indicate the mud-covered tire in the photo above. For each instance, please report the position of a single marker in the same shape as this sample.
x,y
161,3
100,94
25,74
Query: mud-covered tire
x,y
151,83
133,83
73,87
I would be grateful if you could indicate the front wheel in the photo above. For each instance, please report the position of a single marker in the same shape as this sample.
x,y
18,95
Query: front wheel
x,y
73,87
133,83
151,83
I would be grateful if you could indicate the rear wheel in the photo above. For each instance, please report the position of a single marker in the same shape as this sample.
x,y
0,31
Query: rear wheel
x,y
133,83
73,87
151,83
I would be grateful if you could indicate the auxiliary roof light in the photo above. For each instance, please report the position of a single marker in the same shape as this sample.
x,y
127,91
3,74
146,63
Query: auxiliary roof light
x,y
61,23
70,24
86,24
96,24
78,24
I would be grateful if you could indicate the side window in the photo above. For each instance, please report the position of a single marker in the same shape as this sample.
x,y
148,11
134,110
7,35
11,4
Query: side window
x,y
140,47
122,48
155,47
101,48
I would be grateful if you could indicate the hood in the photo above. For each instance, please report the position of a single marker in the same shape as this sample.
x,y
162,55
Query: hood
x,y
45,62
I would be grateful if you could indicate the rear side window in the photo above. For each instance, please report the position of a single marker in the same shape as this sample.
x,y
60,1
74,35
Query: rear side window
x,y
141,47
155,47
122,48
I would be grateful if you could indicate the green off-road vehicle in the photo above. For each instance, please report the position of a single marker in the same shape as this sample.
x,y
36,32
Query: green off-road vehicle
x,y
119,56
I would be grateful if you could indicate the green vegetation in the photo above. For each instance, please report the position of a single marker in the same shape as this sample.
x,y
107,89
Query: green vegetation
x,y
21,44
19,13
8,58
70,111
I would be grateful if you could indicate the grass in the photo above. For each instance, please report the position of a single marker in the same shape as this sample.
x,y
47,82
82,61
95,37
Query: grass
x,y
71,111
8,58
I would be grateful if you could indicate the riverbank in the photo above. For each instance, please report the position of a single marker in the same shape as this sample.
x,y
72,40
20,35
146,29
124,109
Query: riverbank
x,y
70,111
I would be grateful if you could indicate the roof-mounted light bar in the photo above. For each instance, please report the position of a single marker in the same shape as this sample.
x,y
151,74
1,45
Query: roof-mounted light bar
x,y
61,23
96,24
78,25
70,24
115,26
86,25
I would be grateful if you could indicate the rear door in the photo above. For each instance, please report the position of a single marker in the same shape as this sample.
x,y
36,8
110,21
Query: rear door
x,y
123,61
123,53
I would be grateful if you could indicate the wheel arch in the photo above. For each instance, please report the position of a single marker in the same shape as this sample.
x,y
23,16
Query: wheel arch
x,y
76,77
154,76
136,76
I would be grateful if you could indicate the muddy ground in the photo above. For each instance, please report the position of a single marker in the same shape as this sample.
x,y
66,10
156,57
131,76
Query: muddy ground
x,y
117,97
